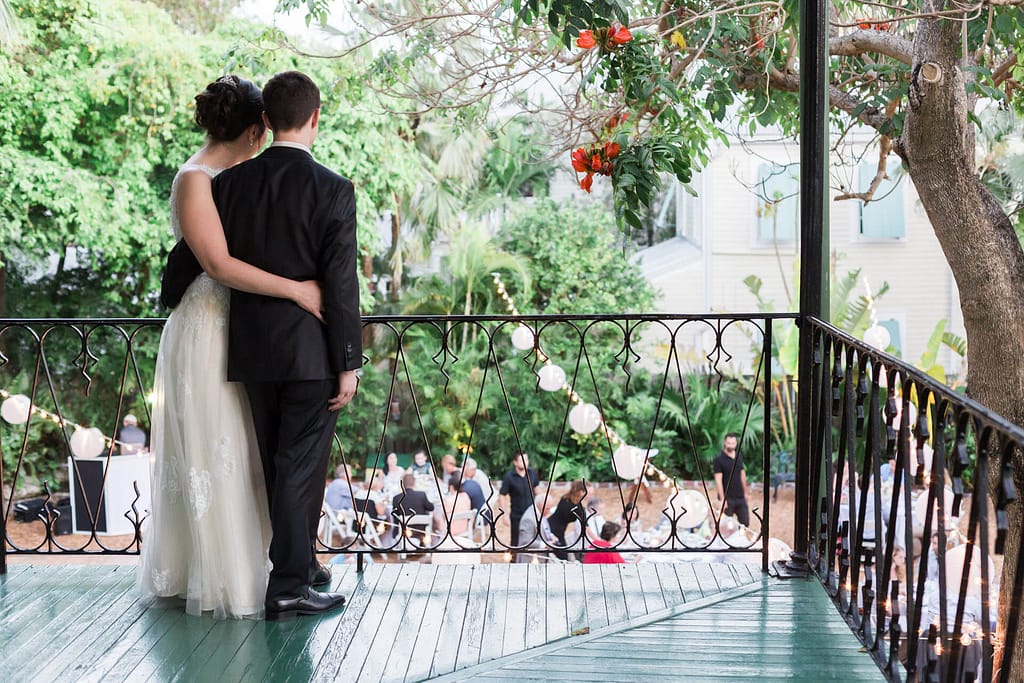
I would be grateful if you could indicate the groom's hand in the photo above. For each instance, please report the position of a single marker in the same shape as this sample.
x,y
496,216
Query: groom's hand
x,y
348,382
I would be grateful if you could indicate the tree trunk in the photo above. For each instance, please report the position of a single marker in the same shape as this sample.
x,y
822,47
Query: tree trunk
x,y
979,243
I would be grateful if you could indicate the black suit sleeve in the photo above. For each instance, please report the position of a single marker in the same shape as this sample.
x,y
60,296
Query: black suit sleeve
x,y
181,269
340,284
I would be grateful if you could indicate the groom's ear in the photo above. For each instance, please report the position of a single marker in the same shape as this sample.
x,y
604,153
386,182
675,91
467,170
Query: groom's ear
x,y
314,120
266,122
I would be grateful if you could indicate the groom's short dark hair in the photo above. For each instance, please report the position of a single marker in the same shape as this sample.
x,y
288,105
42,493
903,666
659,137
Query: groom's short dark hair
x,y
290,98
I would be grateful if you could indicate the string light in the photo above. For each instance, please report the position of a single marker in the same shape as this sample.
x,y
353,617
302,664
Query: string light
x,y
59,421
612,436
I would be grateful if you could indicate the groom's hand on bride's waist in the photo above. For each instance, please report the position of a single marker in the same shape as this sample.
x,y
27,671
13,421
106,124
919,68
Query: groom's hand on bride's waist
x,y
348,382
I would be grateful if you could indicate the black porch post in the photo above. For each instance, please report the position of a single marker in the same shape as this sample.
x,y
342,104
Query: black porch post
x,y
814,249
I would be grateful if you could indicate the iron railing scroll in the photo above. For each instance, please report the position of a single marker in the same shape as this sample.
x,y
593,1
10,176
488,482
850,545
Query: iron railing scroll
x,y
901,520
588,397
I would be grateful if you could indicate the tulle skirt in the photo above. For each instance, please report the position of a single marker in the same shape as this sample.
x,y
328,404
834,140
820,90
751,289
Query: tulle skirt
x,y
207,538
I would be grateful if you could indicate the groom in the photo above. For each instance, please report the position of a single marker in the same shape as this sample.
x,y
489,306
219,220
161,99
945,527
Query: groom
x,y
287,214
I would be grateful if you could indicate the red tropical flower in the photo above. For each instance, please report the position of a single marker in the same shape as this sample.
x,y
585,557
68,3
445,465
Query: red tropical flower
x,y
587,182
580,160
621,35
611,150
595,162
586,39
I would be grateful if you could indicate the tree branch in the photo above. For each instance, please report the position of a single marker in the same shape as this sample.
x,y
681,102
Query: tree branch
x,y
844,101
869,40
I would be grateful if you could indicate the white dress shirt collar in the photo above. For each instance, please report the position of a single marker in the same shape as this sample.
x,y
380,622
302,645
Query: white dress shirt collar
x,y
293,145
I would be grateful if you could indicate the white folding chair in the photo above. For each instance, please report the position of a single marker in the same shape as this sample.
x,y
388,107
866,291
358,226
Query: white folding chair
x,y
333,523
466,539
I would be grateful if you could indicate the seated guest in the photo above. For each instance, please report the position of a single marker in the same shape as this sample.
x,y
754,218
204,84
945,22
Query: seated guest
x,y
393,474
453,502
536,541
411,502
448,467
595,521
339,491
477,475
608,532
420,466
478,486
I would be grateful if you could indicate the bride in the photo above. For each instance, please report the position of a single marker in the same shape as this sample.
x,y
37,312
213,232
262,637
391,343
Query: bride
x,y
209,533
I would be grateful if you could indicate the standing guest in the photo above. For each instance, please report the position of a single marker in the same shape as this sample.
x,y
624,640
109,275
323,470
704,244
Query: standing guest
x,y
339,491
131,438
420,466
608,532
518,488
731,479
595,520
568,511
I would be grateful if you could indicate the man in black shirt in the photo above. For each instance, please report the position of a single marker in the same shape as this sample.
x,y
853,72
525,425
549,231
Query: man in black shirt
x,y
731,480
520,486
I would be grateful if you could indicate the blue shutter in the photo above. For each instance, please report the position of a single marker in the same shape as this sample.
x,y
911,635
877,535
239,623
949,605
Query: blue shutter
x,y
883,216
895,342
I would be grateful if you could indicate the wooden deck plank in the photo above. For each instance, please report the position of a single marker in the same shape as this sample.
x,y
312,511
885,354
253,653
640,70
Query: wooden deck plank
x,y
575,598
301,653
447,651
137,641
57,620
418,666
514,639
669,582
31,595
390,629
397,662
166,655
593,584
707,581
536,604
211,657
557,619
327,669
84,640
357,629
471,638
633,590
493,629
689,583
614,596
650,584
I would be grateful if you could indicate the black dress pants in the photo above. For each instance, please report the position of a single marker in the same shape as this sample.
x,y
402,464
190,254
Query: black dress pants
x,y
294,431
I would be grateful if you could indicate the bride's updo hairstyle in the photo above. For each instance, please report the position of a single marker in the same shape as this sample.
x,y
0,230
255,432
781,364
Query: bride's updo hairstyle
x,y
228,106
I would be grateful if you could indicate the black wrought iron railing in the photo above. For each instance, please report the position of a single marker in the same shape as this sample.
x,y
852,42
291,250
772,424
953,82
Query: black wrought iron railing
x,y
905,532
628,405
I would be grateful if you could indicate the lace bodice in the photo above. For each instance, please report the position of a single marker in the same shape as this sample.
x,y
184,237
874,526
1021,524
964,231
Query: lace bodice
x,y
208,170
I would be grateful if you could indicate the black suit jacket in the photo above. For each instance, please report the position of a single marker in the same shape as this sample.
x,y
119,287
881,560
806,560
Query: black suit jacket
x,y
411,502
285,213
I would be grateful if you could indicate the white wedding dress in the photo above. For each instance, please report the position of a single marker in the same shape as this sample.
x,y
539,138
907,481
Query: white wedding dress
x,y
207,538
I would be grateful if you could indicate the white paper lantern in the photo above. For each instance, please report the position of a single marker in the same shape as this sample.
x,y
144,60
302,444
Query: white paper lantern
x,y
694,508
522,338
87,443
629,461
16,409
552,378
584,418
878,337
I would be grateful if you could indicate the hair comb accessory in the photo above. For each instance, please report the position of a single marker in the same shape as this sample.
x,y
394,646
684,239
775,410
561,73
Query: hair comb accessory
x,y
229,80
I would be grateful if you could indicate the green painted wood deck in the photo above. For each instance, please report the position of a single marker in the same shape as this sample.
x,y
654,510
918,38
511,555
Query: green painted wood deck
x,y
411,622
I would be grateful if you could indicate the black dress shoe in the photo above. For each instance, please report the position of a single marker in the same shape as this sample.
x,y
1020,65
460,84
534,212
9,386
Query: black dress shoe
x,y
311,603
322,576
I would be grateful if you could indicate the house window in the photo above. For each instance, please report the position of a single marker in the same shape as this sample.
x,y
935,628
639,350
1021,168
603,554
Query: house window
x,y
688,208
882,217
778,202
